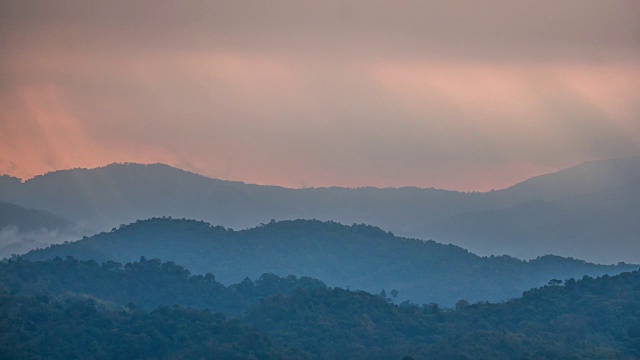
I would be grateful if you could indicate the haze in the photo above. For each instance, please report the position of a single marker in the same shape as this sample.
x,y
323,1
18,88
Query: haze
x,y
461,95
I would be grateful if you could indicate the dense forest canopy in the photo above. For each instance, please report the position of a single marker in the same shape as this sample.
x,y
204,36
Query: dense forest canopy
x,y
588,318
148,283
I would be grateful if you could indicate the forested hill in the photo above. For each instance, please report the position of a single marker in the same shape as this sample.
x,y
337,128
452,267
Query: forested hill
x,y
145,284
357,257
585,319
577,212
52,310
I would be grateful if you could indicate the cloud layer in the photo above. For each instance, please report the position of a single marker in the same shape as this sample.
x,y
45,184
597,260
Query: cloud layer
x,y
467,95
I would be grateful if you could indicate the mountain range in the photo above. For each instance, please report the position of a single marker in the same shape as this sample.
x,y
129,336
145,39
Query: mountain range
x,y
359,257
64,309
588,211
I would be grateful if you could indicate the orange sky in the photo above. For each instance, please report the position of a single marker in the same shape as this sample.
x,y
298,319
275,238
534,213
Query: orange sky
x,y
458,95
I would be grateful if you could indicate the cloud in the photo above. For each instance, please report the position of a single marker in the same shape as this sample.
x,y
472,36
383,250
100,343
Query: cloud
x,y
492,28
464,95
16,242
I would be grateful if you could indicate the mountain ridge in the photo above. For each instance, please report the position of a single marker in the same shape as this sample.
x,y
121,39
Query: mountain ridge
x,y
601,165
116,194
578,179
568,220
357,256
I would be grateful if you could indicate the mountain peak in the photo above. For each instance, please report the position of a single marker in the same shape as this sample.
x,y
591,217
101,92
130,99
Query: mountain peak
x,y
587,177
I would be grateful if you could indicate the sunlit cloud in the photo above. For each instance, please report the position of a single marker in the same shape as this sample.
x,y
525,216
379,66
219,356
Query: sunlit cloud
x,y
348,94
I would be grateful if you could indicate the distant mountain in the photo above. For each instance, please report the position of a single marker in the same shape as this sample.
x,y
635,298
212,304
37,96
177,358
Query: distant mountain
x,y
23,229
27,220
589,177
358,257
602,225
117,194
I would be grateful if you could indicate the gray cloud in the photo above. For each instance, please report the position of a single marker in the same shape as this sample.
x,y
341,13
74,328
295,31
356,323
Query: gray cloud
x,y
469,94
496,28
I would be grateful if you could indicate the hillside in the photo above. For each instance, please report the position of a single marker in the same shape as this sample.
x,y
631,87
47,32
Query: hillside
x,y
117,194
39,327
297,318
584,319
586,178
146,283
23,229
604,222
122,193
357,257
27,220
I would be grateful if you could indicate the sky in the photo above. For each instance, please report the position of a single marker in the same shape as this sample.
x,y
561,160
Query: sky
x,y
462,95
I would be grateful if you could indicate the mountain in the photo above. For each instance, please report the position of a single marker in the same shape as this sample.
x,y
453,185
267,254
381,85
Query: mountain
x,y
358,257
146,283
27,220
586,178
23,229
122,193
59,310
41,327
604,222
584,319
520,220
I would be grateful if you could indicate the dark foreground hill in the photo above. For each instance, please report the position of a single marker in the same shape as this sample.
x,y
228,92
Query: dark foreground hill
x,y
122,193
585,319
43,328
44,314
147,284
357,257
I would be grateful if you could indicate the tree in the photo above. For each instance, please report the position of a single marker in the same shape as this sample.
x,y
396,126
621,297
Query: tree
x,y
461,304
394,293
